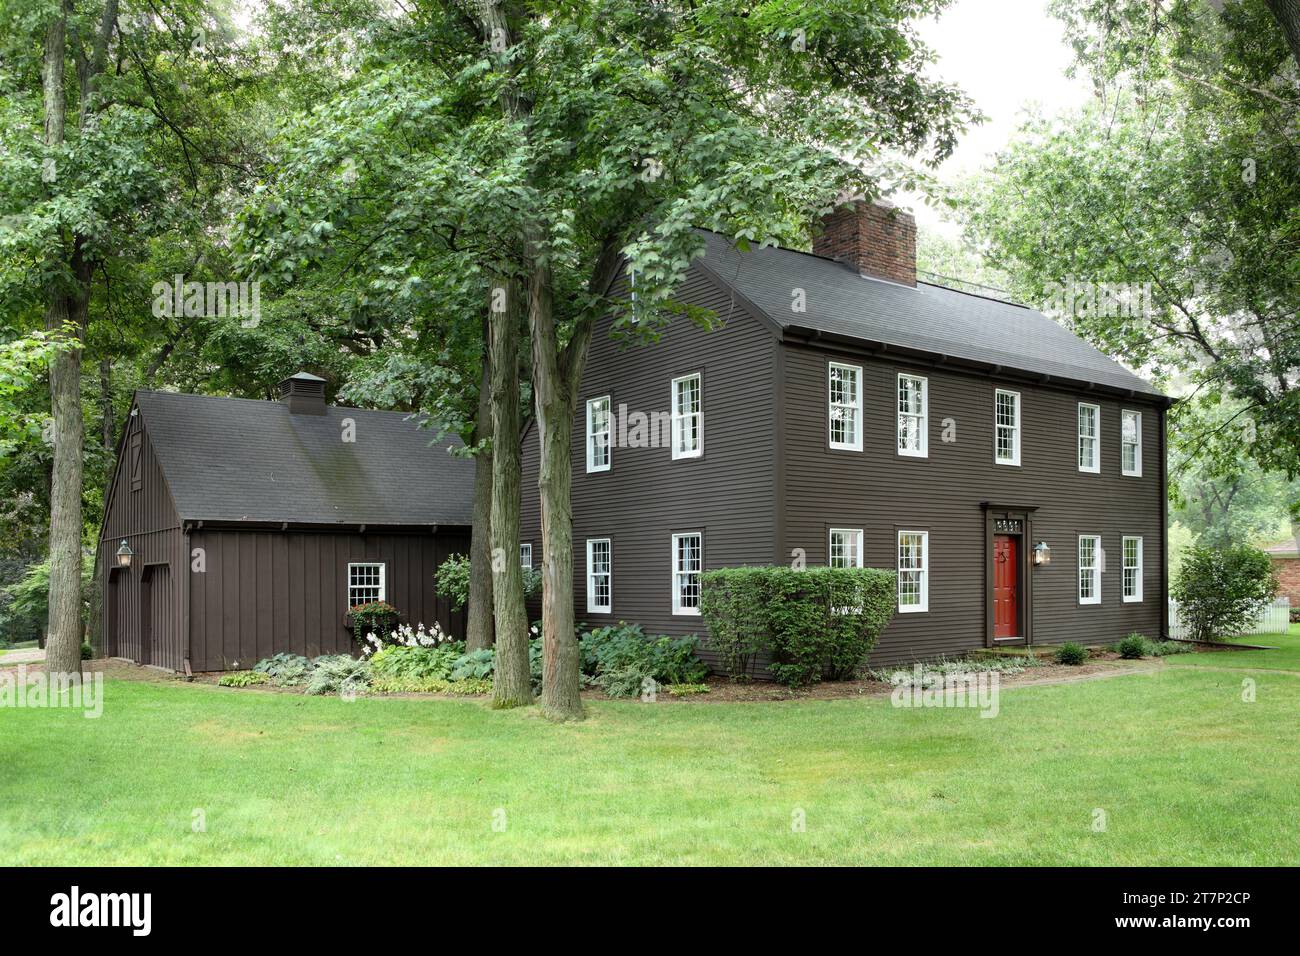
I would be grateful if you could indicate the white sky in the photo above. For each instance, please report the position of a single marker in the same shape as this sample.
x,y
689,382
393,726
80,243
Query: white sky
x,y
1004,54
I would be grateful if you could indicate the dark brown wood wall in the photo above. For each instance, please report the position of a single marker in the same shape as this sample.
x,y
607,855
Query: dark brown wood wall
x,y
146,519
729,494
880,491
264,592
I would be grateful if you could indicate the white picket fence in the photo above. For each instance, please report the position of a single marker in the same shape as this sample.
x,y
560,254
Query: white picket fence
x,y
1274,619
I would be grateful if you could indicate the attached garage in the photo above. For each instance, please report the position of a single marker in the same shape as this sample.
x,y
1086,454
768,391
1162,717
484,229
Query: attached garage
x,y
237,529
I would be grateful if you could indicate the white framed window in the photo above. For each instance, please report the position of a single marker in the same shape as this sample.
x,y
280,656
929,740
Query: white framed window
x,y
688,561
1089,569
1130,454
846,548
1006,427
600,576
688,417
913,401
366,583
526,556
598,450
844,401
913,571
1132,547
1089,426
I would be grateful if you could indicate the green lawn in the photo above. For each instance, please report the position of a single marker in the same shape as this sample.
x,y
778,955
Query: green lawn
x,y
1286,657
1184,770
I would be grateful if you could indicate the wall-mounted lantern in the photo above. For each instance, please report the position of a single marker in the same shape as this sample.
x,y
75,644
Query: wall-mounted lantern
x,y
124,555
1042,553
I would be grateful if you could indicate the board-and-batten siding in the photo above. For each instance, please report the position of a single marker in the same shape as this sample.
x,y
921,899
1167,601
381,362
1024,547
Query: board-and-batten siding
x,y
728,494
146,519
264,592
880,491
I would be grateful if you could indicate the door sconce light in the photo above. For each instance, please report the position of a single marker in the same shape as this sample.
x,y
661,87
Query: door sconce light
x,y
124,555
1042,553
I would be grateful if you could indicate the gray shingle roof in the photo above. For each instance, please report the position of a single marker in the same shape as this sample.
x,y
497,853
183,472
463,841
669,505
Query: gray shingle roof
x,y
928,318
233,459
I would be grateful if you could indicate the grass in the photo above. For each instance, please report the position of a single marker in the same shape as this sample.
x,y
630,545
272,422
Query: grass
x,y
1286,657
1184,771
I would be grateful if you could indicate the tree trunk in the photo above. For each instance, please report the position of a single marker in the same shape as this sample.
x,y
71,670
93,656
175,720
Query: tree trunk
x,y
512,686
478,630
1287,15
555,390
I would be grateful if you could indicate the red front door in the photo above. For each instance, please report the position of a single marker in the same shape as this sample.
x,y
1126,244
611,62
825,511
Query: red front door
x,y
1006,587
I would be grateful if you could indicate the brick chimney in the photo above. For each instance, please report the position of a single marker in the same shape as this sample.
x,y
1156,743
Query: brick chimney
x,y
304,393
877,239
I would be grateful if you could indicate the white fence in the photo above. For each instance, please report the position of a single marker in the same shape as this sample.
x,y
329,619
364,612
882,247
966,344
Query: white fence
x,y
1274,619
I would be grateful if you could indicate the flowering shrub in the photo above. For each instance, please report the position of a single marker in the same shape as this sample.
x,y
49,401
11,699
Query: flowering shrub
x,y
373,617
404,636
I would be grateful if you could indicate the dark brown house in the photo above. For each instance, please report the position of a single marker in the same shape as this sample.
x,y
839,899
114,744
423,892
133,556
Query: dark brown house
x,y
1012,475
253,526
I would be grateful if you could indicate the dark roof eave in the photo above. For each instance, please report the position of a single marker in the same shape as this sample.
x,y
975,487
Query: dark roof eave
x,y
337,527
874,348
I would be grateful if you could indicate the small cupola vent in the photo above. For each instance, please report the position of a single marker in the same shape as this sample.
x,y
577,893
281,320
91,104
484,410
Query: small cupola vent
x,y
304,393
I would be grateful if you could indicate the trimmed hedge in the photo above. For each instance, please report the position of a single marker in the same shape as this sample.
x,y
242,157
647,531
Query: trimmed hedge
x,y
816,623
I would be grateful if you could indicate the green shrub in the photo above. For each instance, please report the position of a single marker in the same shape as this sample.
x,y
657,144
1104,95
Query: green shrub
x,y
374,617
687,690
451,580
620,657
628,679
476,664
243,679
417,662
285,670
817,623
1165,648
1134,647
1071,653
87,652
338,674
1221,590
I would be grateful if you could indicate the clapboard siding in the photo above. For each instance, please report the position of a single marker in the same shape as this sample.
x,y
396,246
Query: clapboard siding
x,y
880,491
729,494
264,592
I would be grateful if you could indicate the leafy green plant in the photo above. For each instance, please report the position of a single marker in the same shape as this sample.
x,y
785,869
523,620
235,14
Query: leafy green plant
x,y
285,670
431,685
243,679
1221,590
1165,648
1134,647
451,580
1071,653
374,617
817,623
476,664
338,674
620,656
418,663
87,652
627,679
687,690
923,672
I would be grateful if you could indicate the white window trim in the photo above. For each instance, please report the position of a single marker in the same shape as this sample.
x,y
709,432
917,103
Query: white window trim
x,y
925,572
1015,430
1096,569
383,579
676,571
1123,559
591,435
679,416
526,548
830,544
1096,439
592,606
1137,451
856,443
924,416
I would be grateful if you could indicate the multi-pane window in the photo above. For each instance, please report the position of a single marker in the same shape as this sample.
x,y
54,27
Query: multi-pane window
x,y
1089,569
1006,438
365,583
688,417
1132,568
600,578
846,548
688,557
1131,443
913,571
1089,417
598,451
526,556
845,403
912,431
